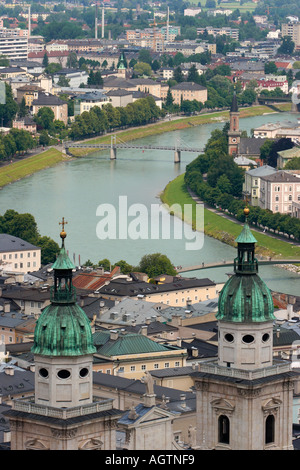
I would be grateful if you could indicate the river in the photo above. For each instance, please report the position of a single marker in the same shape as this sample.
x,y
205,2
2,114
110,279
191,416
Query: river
x,y
78,189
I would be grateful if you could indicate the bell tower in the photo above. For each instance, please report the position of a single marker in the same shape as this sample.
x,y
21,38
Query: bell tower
x,y
63,414
234,134
245,397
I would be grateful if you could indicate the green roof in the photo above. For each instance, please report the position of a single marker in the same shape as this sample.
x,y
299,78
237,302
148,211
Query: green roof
x,y
63,330
63,261
131,343
245,298
246,236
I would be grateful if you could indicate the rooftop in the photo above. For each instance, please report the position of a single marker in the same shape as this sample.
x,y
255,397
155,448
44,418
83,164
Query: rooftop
x,y
122,287
281,176
10,243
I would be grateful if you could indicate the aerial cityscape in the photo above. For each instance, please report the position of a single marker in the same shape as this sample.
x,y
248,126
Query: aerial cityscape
x,y
150,227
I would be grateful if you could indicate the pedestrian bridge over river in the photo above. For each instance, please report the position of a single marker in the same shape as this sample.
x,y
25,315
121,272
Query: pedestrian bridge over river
x,y
224,264
117,144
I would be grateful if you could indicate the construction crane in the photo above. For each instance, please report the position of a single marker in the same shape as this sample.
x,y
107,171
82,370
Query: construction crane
x,y
154,31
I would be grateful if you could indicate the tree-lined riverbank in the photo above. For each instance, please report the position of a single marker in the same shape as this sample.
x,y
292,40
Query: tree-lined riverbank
x,y
222,228
31,164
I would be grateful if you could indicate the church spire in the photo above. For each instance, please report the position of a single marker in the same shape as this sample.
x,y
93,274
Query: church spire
x,y
234,134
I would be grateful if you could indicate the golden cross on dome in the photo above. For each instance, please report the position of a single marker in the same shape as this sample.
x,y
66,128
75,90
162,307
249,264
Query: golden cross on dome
x,y
63,233
63,222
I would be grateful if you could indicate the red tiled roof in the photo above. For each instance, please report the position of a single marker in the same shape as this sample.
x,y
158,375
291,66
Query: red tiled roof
x,y
282,64
93,281
41,54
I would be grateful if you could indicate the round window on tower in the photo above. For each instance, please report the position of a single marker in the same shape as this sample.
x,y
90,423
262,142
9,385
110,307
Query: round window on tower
x,y
248,339
44,373
84,372
63,374
229,337
265,337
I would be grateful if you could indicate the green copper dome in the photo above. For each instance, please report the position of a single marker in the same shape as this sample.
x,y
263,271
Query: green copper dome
x,y
245,297
63,329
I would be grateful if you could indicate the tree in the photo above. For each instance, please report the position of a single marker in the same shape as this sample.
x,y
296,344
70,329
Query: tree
x,y
49,249
169,100
287,46
44,138
293,164
105,263
178,76
45,62
23,109
270,68
142,68
155,65
19,225
145,56
8,110
44,117
72,61
224,185
155,264
124,267
63,81
52,68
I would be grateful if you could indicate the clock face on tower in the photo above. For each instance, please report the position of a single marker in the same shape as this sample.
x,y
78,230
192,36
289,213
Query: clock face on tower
x,y
233,140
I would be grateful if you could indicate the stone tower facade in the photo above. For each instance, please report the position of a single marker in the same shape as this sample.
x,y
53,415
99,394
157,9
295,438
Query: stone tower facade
x,y
244,398
63,414
234,135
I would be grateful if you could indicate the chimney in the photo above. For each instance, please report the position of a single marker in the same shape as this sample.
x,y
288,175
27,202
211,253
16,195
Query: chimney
x,y
194,351
182,399
114,335
9,370
277,332
6,307
178,342
289,311
148,321
144,330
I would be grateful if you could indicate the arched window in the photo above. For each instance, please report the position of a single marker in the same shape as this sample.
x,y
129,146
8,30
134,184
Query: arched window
x,y
270,429
223,426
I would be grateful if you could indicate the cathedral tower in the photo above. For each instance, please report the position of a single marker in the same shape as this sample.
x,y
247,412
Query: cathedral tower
x,y
63,414
234,134
244,398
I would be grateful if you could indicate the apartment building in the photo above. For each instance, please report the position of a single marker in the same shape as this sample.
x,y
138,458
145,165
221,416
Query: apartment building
x,y
14,43
59,107
292,30
270,85
227,31
88,100
189,91
252,182
278,191
176,293
17,255
192,11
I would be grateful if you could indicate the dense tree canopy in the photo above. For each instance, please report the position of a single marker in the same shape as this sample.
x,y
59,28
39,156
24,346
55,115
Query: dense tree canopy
x,y
24,226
